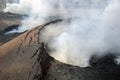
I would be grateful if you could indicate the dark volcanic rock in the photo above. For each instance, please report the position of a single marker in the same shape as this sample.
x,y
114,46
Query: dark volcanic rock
x,y
44,61
7,37
10,28
106,60
8,21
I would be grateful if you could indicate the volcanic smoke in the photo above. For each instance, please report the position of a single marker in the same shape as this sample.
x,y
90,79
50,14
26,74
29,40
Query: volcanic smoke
x,y
89,27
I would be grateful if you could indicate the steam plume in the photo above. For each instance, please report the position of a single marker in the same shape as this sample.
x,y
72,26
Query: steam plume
x,y
93,27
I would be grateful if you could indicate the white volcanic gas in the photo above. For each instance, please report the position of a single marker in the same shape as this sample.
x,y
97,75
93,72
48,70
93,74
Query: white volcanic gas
x,y
93,27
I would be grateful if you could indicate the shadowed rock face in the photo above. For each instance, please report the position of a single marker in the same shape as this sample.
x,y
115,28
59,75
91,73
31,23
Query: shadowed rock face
x,y
25,58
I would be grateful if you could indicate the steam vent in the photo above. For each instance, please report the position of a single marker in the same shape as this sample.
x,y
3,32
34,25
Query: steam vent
x,y
48,50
